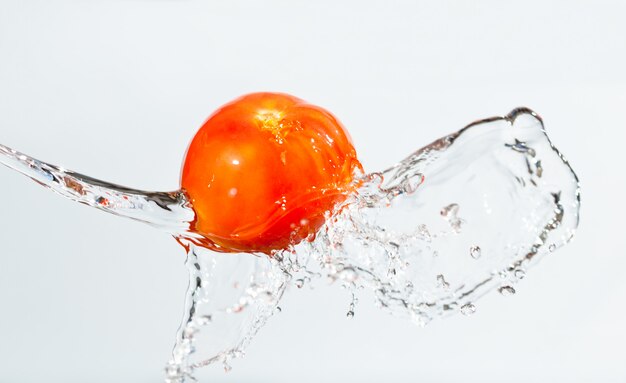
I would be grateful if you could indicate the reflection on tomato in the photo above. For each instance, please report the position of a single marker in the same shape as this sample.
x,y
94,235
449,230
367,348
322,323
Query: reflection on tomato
x,y
263,170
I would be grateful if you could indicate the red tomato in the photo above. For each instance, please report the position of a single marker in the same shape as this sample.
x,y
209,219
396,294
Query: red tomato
x,y
262,171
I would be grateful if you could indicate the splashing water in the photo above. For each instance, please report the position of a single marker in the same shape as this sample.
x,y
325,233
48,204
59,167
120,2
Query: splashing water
x,y
465,215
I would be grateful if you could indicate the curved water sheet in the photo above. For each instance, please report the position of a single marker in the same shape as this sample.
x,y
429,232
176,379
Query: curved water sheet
x,y
229,298
468,214
465,215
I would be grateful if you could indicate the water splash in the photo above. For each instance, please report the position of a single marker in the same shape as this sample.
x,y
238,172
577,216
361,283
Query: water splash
x,y
497,189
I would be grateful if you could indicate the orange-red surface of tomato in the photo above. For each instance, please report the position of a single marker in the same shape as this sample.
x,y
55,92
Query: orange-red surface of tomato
x,y
262,171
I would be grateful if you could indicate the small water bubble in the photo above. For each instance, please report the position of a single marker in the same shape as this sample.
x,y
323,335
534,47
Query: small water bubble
x,y
552,247
475,252
353,304
102,201
522,147
204,320
72,184
412,183
299,283
539,168
424,233
506,290
420,319
311,237
190,331
173,373
450,214
237,308
348,275
278,310
450,210
520,274
468,309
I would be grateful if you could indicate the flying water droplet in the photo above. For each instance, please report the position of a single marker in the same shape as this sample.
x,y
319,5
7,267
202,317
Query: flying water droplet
x,y
450,214
352,307
506,290
475,252
442,283
227,367
468,309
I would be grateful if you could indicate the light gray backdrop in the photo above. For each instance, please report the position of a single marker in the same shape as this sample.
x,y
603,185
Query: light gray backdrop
x,y
116,89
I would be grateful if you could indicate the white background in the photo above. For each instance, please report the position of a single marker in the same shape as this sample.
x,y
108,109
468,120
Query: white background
x,y
116,89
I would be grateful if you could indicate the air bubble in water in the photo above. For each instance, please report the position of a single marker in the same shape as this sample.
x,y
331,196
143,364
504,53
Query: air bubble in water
x,y
450,214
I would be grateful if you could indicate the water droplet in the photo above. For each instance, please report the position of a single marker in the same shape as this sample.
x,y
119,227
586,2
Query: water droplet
x,y
441,282
552,247
450,214
311,237
449,211
204,320
348,275
506,290
539,169
102,201
353,304
227,367
412,183
424,233
475,252
520,274
468,309
522,147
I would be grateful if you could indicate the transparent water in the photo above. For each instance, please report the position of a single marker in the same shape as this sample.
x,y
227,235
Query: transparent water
x,y
465,215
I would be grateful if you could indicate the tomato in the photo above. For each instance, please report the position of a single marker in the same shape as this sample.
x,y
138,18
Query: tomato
x,y
263,170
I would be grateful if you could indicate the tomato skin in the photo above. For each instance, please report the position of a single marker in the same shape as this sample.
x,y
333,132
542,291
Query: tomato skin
x,y
262,171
